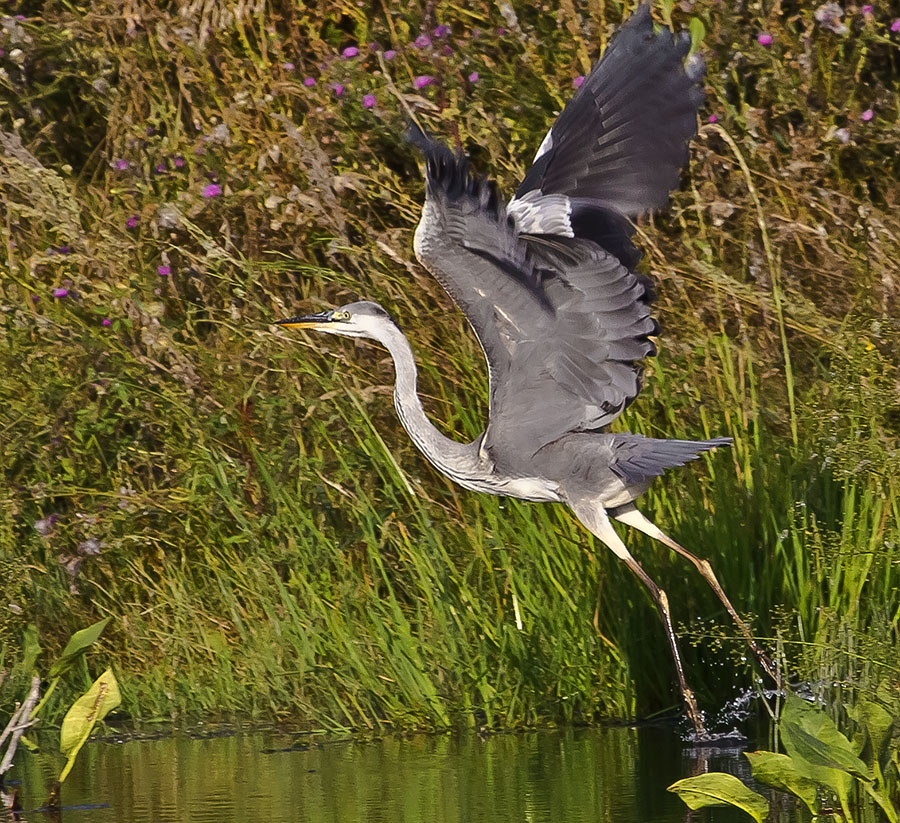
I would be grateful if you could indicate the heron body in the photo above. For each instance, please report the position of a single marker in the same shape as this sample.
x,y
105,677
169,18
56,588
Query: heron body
x,y
547,282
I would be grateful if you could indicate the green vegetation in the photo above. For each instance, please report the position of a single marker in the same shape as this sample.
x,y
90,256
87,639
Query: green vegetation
x,y
83,715
822,767
244,503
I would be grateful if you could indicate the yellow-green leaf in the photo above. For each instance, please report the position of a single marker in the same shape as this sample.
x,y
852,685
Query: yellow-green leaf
x,y
719,789
98,701
698,32
780,772
77,645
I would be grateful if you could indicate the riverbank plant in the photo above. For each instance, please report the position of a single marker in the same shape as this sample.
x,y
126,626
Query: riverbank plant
x,y
245,503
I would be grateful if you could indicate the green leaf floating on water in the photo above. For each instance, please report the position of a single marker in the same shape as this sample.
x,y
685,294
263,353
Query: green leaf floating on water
x,y
719,789
77,645
809,734
98,701
780,772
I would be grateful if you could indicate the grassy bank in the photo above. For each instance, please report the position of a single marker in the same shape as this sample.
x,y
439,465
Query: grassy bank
x,y
244,501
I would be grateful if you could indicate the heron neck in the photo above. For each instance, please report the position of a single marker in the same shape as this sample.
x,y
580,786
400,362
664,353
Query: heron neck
x,y
452,458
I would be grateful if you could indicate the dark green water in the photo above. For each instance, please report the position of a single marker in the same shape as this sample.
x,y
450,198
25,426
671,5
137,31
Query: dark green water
x,y
617,775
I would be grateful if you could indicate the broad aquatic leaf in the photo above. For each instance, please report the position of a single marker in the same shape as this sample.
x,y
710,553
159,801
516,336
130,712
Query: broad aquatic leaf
x,y
77,645
780,772
809,734
719,789
98,701
878,724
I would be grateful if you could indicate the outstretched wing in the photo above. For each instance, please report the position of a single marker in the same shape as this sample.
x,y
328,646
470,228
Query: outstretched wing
x,y
618,147
546,282
561,321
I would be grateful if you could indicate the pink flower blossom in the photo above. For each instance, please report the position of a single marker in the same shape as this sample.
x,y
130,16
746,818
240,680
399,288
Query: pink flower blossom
x,y
164,271
288,66
309,82
441,31
895,26
473,77
712,119
368,101
212,190
868,10
350,51
179,162
764,38
60,293
121,165
338,89
106,322
390,54
578,81
423,80
423,41
132,221
867,115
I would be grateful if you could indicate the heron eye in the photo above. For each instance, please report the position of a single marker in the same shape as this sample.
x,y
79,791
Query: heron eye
x,y
341,315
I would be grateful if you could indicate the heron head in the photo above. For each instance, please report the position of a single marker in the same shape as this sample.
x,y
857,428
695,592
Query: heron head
x,y
362,319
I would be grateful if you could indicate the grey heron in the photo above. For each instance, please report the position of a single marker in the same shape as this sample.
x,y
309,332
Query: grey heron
x,y
547,282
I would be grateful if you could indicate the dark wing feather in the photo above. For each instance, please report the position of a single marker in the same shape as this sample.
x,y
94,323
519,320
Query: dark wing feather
x,y
618,147
636,459
561,321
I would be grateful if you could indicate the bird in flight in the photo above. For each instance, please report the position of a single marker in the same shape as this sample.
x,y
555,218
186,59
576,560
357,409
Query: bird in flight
x,y
547,282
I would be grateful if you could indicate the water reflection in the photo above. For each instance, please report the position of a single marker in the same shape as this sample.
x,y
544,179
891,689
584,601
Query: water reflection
x,y
565,776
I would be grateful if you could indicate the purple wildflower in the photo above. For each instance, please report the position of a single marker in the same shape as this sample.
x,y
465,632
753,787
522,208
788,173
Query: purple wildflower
x,y
160,168
179,162
442,31
712,119
368,101
390,54
423,80
212,190
121,165
163,271
578,81
895,26
501,32
106,322
35,298
338,89
868,10
60,293
764,38
64,250
423,41
288,66
350,51
473,77
867,115
309,82
132,221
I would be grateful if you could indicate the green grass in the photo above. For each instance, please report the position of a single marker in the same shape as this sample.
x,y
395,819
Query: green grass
x,y
271,543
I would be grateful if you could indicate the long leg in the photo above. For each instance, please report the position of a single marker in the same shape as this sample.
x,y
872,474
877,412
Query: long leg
x,y
594,517
629,515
